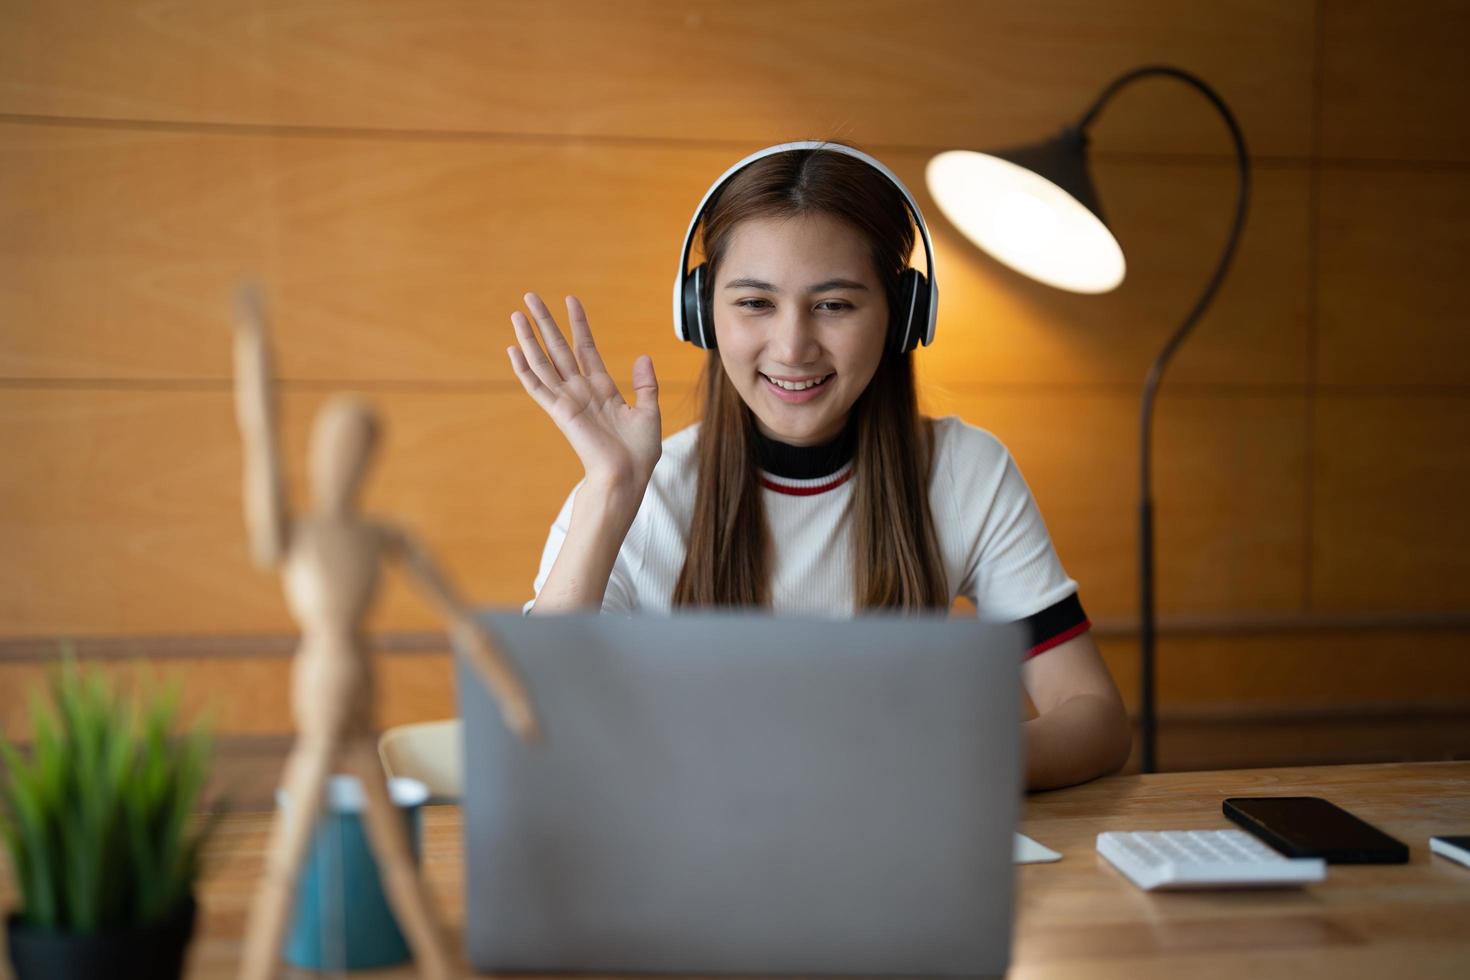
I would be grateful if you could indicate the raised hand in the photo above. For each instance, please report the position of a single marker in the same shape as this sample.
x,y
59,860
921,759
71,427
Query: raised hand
x,y
617,443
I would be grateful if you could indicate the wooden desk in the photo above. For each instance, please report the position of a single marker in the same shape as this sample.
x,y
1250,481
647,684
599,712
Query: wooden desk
x,y
1079,918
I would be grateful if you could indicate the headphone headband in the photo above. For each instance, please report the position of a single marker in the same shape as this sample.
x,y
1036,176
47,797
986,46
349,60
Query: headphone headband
x,y
706,330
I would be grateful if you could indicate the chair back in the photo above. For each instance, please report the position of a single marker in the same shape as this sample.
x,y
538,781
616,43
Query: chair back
x,y
429,751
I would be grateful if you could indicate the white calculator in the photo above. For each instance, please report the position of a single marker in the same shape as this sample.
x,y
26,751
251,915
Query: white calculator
x,y
1179,859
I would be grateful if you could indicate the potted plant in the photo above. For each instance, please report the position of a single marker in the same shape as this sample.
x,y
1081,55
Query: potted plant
x,y
104,843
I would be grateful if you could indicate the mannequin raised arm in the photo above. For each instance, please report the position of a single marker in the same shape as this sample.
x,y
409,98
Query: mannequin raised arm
x,y
472,641
266,518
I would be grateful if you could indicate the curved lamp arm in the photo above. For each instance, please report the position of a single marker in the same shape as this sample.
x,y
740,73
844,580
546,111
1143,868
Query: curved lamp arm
x,y
1151,384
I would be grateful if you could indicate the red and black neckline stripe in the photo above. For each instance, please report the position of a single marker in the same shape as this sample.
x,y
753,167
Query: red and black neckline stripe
x,y
806,488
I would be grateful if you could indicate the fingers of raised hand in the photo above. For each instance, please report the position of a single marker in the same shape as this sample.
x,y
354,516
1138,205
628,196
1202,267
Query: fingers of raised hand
x,y
543,395
582,342
556,344
536,359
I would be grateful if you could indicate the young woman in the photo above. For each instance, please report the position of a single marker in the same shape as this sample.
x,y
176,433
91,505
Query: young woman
x,y
812,483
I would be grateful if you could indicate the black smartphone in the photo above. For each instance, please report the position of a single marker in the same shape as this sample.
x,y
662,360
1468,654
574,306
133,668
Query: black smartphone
x,y
1309,826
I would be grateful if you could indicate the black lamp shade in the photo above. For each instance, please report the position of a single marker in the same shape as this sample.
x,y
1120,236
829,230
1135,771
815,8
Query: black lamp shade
x,y
1033,208
1063,161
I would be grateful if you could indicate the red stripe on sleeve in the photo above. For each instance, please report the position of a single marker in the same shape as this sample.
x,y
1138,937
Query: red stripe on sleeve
x,y
1059,639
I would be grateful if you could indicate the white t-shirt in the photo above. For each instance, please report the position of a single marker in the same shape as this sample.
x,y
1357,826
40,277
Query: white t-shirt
x,y
994,544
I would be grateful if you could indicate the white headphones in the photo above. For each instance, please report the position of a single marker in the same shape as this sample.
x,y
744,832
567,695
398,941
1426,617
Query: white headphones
x,y
918,292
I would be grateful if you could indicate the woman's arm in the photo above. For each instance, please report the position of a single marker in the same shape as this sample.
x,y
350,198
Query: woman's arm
x,y
601,518
619,445
1080,730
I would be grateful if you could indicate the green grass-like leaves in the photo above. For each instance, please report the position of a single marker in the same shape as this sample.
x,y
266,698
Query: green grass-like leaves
x,y
100,819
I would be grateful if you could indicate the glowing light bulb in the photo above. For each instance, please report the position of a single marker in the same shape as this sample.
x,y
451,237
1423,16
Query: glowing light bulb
x,y
1025,221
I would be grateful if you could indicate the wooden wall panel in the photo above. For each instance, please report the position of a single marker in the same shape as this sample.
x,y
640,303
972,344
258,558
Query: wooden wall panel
x,y
1328,739
1390,528
999,327
935,73
244,695
127,518
1279,672
1228,491
403,259
1393,303
121,509
397,177
1253,674
1393,80
383,259
117,258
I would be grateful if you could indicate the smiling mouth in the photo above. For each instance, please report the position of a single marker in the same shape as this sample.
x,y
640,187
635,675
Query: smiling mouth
x,y
799,385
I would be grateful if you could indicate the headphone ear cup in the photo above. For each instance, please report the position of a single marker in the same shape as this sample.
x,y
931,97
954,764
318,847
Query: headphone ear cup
x,y
911,319
699,324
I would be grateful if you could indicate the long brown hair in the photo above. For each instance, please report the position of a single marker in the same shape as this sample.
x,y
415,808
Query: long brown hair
x,y
896,558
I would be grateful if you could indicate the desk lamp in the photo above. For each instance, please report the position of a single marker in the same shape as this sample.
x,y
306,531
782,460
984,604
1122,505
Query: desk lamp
x,y
1034,208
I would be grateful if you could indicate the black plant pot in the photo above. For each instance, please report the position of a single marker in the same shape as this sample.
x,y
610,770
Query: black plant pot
x,y
152,952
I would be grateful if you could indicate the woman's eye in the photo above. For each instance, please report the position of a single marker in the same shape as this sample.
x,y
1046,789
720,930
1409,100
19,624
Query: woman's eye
x,y
826,306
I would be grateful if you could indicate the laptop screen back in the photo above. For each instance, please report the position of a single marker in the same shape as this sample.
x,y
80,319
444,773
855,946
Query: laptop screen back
x,y
729,792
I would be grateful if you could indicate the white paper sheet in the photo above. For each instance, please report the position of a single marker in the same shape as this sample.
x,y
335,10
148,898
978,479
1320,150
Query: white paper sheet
x,y
1027,851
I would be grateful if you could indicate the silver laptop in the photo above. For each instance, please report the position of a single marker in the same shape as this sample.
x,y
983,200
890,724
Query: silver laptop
x,y
743,793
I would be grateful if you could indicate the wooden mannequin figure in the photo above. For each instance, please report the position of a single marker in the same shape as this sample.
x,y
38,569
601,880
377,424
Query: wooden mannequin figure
x,y
330,560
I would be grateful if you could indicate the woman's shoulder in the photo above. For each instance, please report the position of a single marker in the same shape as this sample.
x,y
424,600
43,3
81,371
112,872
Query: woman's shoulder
x,y
966,447
679,451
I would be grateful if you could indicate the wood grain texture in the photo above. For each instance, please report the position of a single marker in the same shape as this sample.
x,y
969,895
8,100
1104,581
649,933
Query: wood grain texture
x,y
1393,305
1393,80
247,768
934,73
1078,917
243,696
121,508
1231,460
1266,674
398,176
1303,677
387,259
999,327
1390,528
380,259
1226,738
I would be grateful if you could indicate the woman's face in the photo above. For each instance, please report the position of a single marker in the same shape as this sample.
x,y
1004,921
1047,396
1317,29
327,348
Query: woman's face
x,y
797,300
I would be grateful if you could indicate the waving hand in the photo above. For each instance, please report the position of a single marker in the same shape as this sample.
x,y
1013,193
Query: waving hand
x,y
617,443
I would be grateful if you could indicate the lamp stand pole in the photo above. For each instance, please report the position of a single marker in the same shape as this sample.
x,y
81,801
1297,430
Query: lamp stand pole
x,y
1147,725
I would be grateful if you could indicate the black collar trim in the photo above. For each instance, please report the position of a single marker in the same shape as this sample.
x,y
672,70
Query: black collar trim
x,y
805,462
